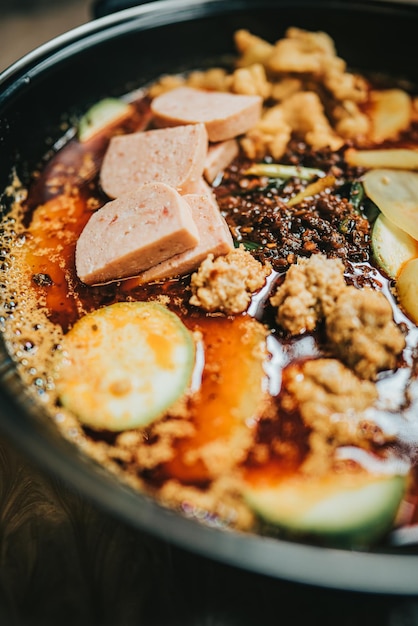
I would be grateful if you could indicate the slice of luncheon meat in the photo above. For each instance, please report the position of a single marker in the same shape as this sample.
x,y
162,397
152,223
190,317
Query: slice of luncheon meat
x,y
225,115
133,233
220,155
174,156
215,238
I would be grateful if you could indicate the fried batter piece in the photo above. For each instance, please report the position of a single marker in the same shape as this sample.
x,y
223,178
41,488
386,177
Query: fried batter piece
x,y
362,332
349,121
307,77
301,113
227,282
303,53
251,81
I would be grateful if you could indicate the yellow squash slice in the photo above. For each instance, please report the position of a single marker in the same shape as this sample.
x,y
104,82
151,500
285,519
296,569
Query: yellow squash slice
x,y
407,286
124,365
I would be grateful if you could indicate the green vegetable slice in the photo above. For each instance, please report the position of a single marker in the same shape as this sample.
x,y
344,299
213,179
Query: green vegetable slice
x,y
392,247
356,195
312,189
124,365
276,170
342,509
395,192
248,245
104,113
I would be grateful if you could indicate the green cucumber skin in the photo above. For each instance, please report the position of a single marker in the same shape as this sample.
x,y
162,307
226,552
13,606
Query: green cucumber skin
x,y
100,115
349,520
391,246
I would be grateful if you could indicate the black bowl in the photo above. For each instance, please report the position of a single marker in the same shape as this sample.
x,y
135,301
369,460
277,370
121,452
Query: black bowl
x,y
111,56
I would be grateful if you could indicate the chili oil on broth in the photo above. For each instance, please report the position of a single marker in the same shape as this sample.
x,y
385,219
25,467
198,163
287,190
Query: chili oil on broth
x,y
64,299
45,299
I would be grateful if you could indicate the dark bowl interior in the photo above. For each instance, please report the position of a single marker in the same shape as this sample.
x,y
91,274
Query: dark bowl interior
x,y
120,53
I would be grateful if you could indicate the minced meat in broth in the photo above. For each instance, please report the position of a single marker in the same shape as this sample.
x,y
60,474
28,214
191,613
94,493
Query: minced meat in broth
x,y
305,360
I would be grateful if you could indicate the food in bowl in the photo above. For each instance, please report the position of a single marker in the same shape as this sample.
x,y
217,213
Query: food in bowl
x,y
210,287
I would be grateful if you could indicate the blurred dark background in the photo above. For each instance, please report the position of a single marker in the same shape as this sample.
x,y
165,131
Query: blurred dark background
x,y
26,24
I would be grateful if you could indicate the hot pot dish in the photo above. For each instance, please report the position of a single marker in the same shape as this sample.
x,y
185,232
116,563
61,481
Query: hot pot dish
x,y
212,289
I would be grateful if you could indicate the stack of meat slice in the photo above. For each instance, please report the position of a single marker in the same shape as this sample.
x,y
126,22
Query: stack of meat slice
x,y
163,219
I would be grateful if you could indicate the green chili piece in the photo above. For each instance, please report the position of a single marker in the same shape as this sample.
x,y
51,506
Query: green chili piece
x,y
248,245
356,195
276,170
312,190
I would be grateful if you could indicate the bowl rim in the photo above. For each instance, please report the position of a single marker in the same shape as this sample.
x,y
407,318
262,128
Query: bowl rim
x,y
360,571
149,14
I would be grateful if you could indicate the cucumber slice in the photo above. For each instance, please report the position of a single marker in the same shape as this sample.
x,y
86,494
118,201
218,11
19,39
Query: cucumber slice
x,y
124,365
342,509
104,113
392,247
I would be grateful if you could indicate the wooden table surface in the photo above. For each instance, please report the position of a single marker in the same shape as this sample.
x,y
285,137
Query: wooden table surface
x,y
26,24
